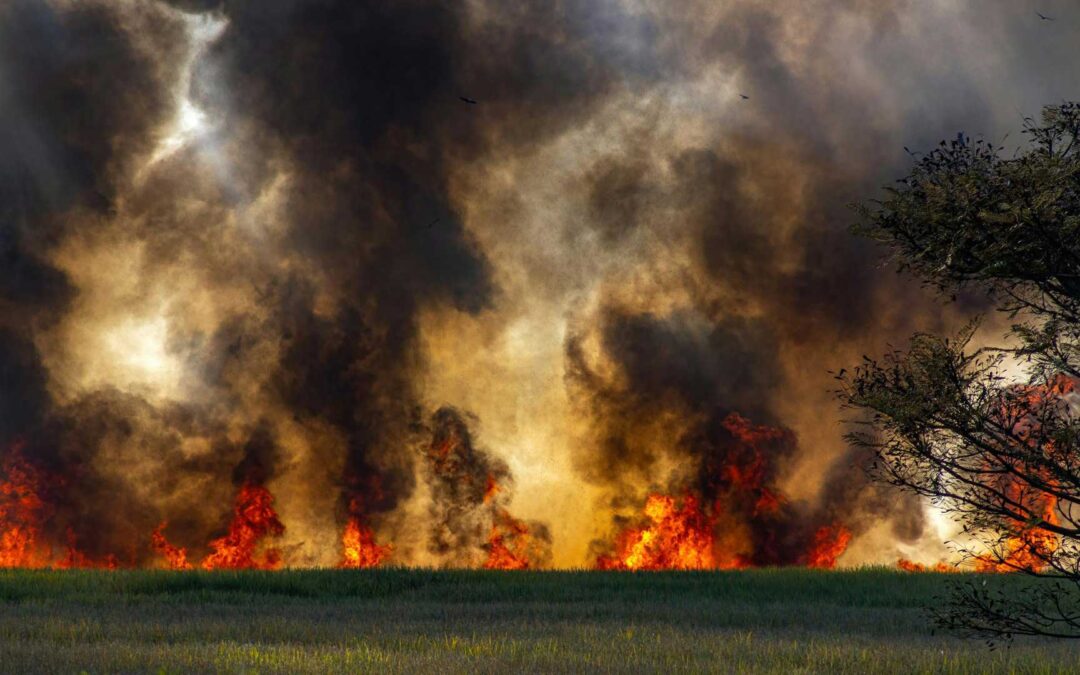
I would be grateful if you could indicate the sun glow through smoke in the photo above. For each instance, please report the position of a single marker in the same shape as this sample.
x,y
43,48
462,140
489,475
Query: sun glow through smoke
x,y
190,121
139,348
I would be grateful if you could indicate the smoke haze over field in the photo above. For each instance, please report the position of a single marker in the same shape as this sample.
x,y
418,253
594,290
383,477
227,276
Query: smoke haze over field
x,y
267,243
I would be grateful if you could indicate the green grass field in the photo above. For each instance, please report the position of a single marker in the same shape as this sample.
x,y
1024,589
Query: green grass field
x,y
408,621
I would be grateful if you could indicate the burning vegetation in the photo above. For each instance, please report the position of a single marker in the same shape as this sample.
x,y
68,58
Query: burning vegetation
x,y
359,548
241,295
736,519
470,520
254,521
27,518
470,523
1015,483
22,511
509,545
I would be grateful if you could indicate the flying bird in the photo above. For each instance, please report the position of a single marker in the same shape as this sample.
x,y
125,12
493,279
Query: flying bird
x,y
744,97
1044,17
468,100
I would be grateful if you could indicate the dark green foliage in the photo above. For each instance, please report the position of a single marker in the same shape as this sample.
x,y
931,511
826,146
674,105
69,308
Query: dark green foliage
x,y
406,621
950,422
967,214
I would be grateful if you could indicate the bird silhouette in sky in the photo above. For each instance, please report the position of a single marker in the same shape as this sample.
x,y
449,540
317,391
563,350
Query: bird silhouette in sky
x,y
1044,17
468,100
744,97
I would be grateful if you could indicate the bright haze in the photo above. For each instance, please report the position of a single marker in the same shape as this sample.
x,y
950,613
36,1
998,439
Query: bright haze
x,y
503,284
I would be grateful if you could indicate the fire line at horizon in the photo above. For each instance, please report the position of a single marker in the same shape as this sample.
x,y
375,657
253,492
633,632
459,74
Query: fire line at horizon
x,y
273,295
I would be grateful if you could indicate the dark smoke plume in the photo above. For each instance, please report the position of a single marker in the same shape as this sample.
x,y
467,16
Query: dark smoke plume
x,y
469,497
266,243
353,107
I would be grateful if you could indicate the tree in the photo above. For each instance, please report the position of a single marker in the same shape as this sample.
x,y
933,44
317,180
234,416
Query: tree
x,y
952,423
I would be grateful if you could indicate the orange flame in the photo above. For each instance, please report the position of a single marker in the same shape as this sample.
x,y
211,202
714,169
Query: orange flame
x,y
911,566
359,549
830,542
254,519
508,544
746,466
676,538
1030,549
22,512
175,556
491,489
683,538
735,517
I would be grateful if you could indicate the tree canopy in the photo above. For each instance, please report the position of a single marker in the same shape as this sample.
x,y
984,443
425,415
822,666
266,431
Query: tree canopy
x,y
990,435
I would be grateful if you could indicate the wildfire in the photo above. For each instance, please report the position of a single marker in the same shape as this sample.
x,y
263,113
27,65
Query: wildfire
x,y
76,559
829,543
744,465
359,549
25,511
508,544
911,566
254,519
676,538
1022,410
1028,551
491,489
175,556
21,513
1031,546
735,518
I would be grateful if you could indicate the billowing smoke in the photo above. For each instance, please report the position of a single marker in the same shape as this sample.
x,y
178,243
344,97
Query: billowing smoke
x,y
467,517
270,245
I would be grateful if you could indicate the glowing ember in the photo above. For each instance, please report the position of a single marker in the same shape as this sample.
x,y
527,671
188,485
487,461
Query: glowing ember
x,y
508,544
491,489
830,542
767,502
910,566
359,549
175,556
744,465
254,519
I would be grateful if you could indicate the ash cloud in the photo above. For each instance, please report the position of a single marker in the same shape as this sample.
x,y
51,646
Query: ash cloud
x,y
63,122
289,248
779,291
280,295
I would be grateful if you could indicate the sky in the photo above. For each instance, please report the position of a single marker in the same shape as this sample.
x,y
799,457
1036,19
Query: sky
x,y
272,242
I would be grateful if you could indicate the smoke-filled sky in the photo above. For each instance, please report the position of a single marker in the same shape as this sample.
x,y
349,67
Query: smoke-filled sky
x,y
268,242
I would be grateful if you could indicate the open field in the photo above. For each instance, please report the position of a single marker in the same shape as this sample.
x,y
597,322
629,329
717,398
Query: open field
x,y
409,621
